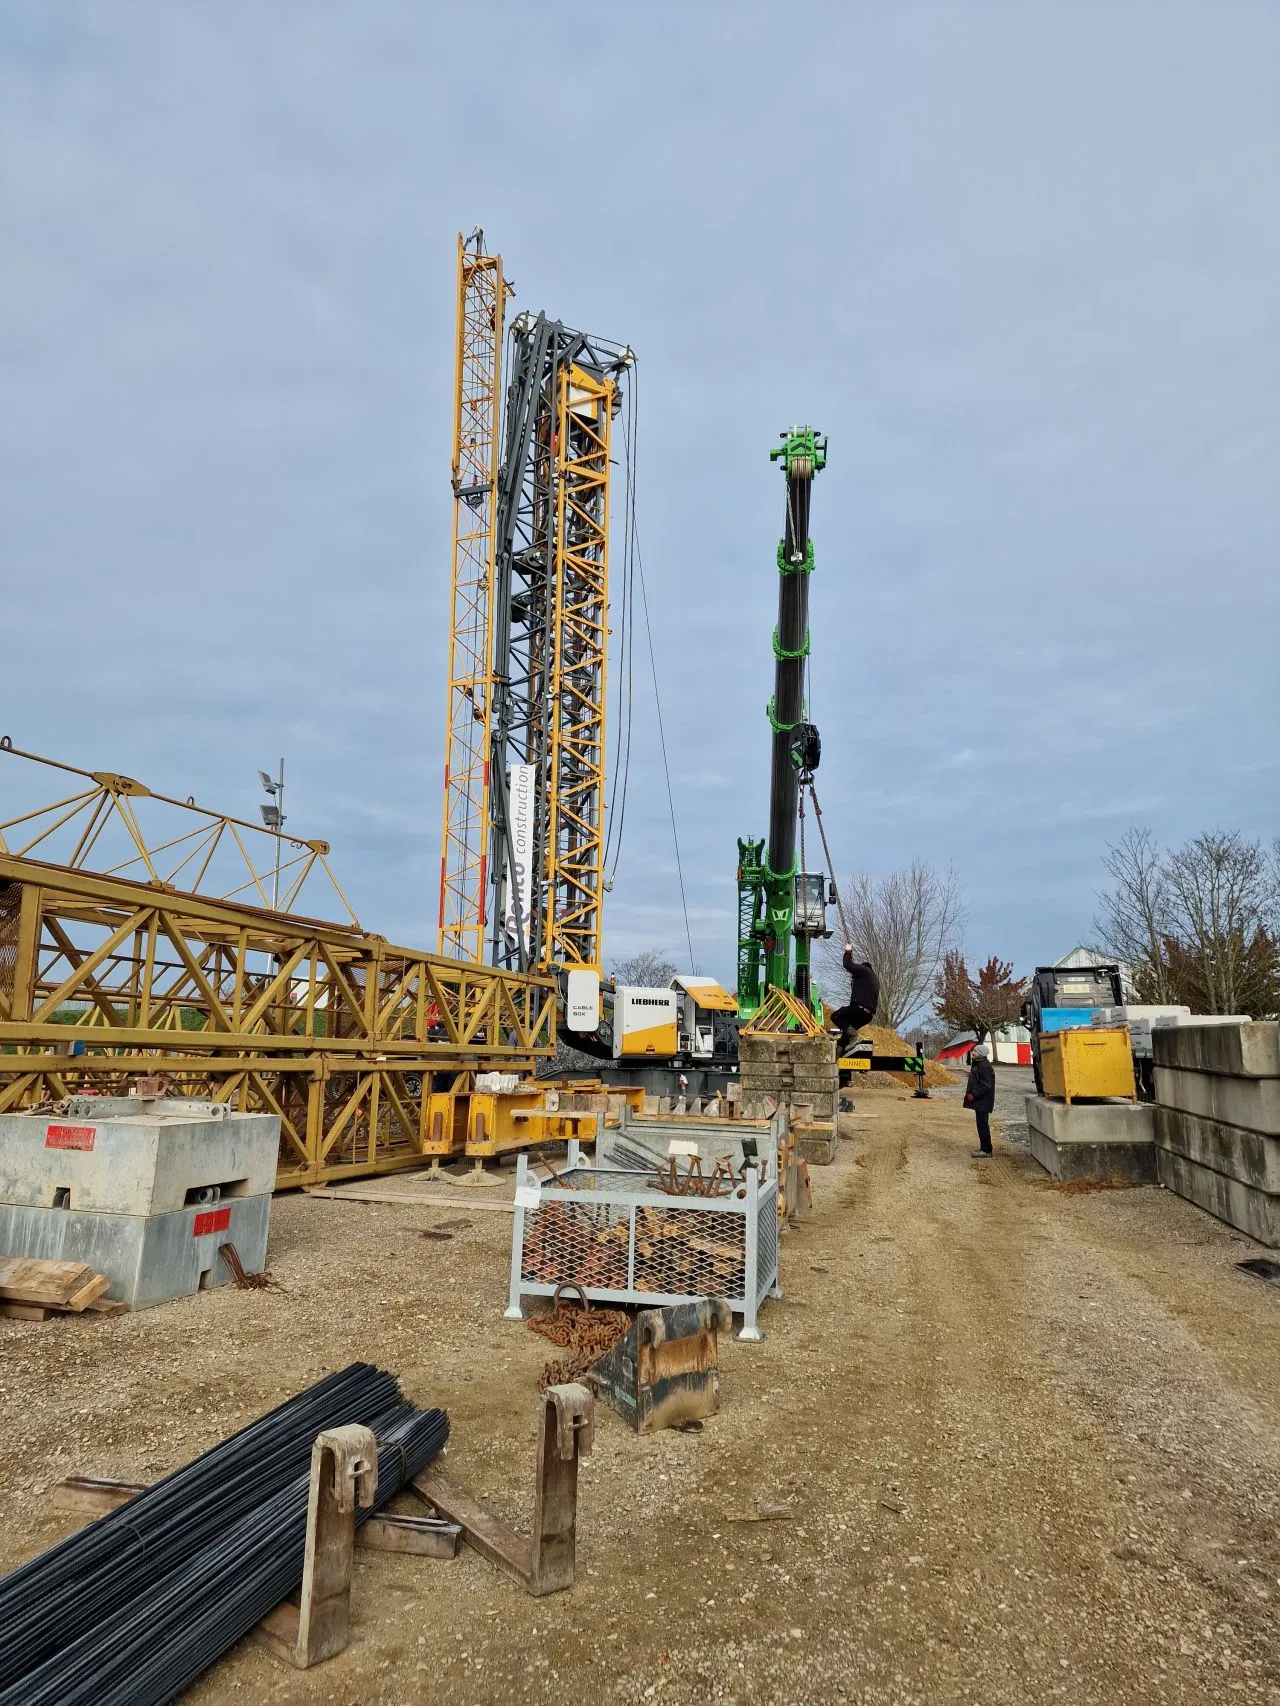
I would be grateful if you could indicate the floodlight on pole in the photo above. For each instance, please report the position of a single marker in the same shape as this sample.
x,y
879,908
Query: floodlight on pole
x,y
273,818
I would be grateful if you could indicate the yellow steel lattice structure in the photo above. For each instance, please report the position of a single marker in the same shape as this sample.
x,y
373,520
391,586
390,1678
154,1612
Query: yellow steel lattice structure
x,y
119,827
482,294
341,1034
584,407
782,1014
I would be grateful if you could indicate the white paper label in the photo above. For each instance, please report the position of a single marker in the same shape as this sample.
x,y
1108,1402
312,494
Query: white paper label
x,y
527,1196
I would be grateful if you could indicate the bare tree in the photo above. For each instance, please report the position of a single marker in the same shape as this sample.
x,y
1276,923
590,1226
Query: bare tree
x,y
903,924
649,969
1136,916
1223,893
1198,925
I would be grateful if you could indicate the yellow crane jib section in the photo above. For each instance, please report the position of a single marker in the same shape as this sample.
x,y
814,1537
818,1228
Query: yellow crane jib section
x,y
481,310
574,873
340,1033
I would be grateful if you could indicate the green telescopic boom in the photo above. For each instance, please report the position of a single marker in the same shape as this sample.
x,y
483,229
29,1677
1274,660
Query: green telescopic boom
x,y
767,874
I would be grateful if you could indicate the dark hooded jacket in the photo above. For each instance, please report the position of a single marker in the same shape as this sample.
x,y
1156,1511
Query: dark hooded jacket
x,y
980,1091
864,985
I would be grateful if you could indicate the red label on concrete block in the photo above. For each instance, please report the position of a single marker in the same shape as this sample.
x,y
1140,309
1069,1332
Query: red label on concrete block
x,y
212,1220
69,1136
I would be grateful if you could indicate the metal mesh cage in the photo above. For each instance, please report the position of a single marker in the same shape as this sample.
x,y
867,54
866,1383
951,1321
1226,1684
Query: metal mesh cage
x,y
576,1243
622,1240
681,1251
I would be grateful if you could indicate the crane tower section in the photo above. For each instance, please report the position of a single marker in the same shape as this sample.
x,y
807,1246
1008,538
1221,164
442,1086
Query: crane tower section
x,y
464,878
550,633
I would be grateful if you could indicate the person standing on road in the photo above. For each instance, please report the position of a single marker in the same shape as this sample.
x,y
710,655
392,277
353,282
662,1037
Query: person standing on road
x,y
980,1095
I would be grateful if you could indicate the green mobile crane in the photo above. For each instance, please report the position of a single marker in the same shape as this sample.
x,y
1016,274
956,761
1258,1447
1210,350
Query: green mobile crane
x,y
778,903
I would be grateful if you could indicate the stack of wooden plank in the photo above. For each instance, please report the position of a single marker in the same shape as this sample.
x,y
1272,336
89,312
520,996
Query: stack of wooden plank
x,y
32,1290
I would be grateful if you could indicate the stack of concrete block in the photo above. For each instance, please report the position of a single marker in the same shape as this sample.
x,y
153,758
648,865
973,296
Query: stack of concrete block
x,y
146,1192
1217,1121
799,1075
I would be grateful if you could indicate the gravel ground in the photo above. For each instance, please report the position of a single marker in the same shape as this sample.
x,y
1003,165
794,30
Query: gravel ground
x,y
1028,1440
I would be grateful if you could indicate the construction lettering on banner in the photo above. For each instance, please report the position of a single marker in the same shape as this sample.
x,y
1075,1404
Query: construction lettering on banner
x,y
521,794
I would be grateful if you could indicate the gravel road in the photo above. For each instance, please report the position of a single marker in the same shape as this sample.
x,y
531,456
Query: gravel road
x,y
1027,1438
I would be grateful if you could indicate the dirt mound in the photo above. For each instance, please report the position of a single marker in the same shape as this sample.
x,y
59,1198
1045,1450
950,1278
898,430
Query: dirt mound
x,y
885,1041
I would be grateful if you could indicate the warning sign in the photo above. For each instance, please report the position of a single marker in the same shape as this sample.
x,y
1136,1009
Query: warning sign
x,y
69,1136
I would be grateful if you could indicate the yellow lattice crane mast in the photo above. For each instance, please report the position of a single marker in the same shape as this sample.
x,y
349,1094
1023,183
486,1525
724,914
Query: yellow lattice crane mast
x,y
464,882
550,633
575,841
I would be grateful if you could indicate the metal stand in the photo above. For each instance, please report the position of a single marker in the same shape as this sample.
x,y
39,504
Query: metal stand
x,y
344,1473
344,1469
544,1562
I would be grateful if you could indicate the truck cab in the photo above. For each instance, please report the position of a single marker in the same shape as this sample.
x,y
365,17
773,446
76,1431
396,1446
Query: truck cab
x,y
1062,997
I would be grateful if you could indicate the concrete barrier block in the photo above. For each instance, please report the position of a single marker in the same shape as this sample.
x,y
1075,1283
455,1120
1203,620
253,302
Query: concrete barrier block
x,y
1093,1140
1091,1122
1252,1103
1249,1050
127,1157
1244,1155
149,1259
1123,1163
1251,1211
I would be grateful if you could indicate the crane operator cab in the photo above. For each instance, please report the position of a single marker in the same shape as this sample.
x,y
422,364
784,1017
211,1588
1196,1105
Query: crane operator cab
x,y
811,902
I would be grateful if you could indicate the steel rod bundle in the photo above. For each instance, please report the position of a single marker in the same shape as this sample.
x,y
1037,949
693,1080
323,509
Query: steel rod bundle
x,y
138,1604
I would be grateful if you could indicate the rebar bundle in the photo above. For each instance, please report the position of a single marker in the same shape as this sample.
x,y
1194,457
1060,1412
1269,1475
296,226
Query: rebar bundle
x,y
130,1610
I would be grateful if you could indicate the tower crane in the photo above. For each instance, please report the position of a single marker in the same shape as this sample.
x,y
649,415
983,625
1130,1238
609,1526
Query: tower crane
x,y
522,860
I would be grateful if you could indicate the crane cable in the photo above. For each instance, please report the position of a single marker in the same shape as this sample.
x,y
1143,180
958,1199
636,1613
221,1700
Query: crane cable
x,y
666,767
831,870
626,650
633,572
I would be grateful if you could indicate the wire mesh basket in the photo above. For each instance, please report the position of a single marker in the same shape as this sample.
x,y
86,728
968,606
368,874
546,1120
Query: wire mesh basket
x,y
620,1239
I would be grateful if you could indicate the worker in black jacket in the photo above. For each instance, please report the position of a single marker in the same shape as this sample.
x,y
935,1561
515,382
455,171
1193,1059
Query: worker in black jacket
x,y
980,1095
864,998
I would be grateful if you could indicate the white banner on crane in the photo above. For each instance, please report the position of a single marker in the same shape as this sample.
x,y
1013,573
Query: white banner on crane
x,y
522,793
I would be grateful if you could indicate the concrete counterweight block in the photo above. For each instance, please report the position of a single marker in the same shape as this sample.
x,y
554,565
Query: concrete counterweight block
x,y
1241,1050
146,1192
1218,1121
1253,1104
800,1074
1096,1140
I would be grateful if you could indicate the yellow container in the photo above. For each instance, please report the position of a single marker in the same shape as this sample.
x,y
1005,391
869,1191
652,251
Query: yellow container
x,y
1087,1062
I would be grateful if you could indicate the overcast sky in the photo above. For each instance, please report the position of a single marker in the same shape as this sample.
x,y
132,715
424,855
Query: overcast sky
x,y
1021,262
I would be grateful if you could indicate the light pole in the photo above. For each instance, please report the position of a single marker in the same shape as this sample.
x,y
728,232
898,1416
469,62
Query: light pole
x,y
273,817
